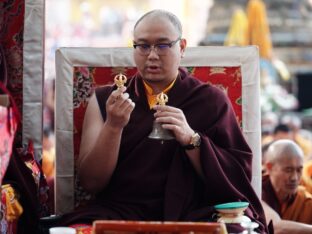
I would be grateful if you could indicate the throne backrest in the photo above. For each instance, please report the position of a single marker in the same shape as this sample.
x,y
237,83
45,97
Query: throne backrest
x,y
80,70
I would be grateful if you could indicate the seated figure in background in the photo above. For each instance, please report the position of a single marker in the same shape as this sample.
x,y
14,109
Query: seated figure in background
x,y
134,177
280,189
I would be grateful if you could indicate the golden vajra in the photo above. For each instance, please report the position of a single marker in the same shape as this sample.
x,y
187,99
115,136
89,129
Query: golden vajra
x,y
162,99
120,80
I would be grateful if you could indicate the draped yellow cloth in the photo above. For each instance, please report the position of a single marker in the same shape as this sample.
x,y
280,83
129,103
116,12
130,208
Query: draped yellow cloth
x,y
251,28
258,32
237,30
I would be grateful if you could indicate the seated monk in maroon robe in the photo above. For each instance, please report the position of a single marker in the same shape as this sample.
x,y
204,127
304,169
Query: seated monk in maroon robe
x,y
281,190
137,178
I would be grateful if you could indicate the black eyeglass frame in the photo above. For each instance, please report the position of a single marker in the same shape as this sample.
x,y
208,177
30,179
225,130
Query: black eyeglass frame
x,y
155,46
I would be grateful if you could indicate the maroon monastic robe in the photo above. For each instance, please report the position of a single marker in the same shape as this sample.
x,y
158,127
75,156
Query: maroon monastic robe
x,y
155,180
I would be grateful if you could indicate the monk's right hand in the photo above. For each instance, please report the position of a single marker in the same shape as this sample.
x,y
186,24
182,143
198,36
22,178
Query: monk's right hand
x,y
119,108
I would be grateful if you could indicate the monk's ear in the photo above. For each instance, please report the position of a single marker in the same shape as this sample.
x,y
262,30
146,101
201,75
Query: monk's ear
x,y
183,44
269,166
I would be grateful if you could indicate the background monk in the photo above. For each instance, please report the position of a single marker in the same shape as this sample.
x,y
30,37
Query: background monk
x,y
137,178
281,190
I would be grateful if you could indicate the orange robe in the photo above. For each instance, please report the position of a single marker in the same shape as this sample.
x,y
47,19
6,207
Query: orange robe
x,y
299,208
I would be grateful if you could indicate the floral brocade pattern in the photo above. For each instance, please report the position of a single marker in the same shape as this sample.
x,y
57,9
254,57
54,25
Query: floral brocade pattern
x,y
86,79
83,85
11,39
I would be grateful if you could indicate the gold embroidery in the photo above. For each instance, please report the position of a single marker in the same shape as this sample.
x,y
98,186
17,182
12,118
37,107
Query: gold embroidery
x,y
217,70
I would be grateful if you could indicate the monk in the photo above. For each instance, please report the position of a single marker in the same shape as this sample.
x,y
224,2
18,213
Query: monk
x,y
281,190
137,178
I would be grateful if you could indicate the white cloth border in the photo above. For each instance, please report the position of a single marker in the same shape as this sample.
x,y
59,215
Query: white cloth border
x,y
68,58
33,73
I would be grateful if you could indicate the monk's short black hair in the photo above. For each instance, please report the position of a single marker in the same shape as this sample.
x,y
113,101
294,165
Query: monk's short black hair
x,y
282,128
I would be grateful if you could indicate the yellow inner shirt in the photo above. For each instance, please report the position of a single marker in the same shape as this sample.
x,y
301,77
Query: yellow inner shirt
x,y
151,98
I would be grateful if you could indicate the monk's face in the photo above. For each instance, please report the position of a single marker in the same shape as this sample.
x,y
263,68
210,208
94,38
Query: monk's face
x,y
285,175
156,68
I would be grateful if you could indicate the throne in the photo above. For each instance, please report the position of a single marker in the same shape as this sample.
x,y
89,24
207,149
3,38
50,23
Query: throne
x,y
79,71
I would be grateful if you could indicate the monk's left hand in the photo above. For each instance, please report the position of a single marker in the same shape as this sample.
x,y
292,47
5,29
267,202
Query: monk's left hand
x,y
174,119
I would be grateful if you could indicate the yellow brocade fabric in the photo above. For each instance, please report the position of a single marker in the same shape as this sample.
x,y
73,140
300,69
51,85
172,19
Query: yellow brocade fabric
x,y
151,98
13,207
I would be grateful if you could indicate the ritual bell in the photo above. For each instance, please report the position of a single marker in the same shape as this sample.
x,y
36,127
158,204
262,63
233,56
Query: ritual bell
x,y
160,133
